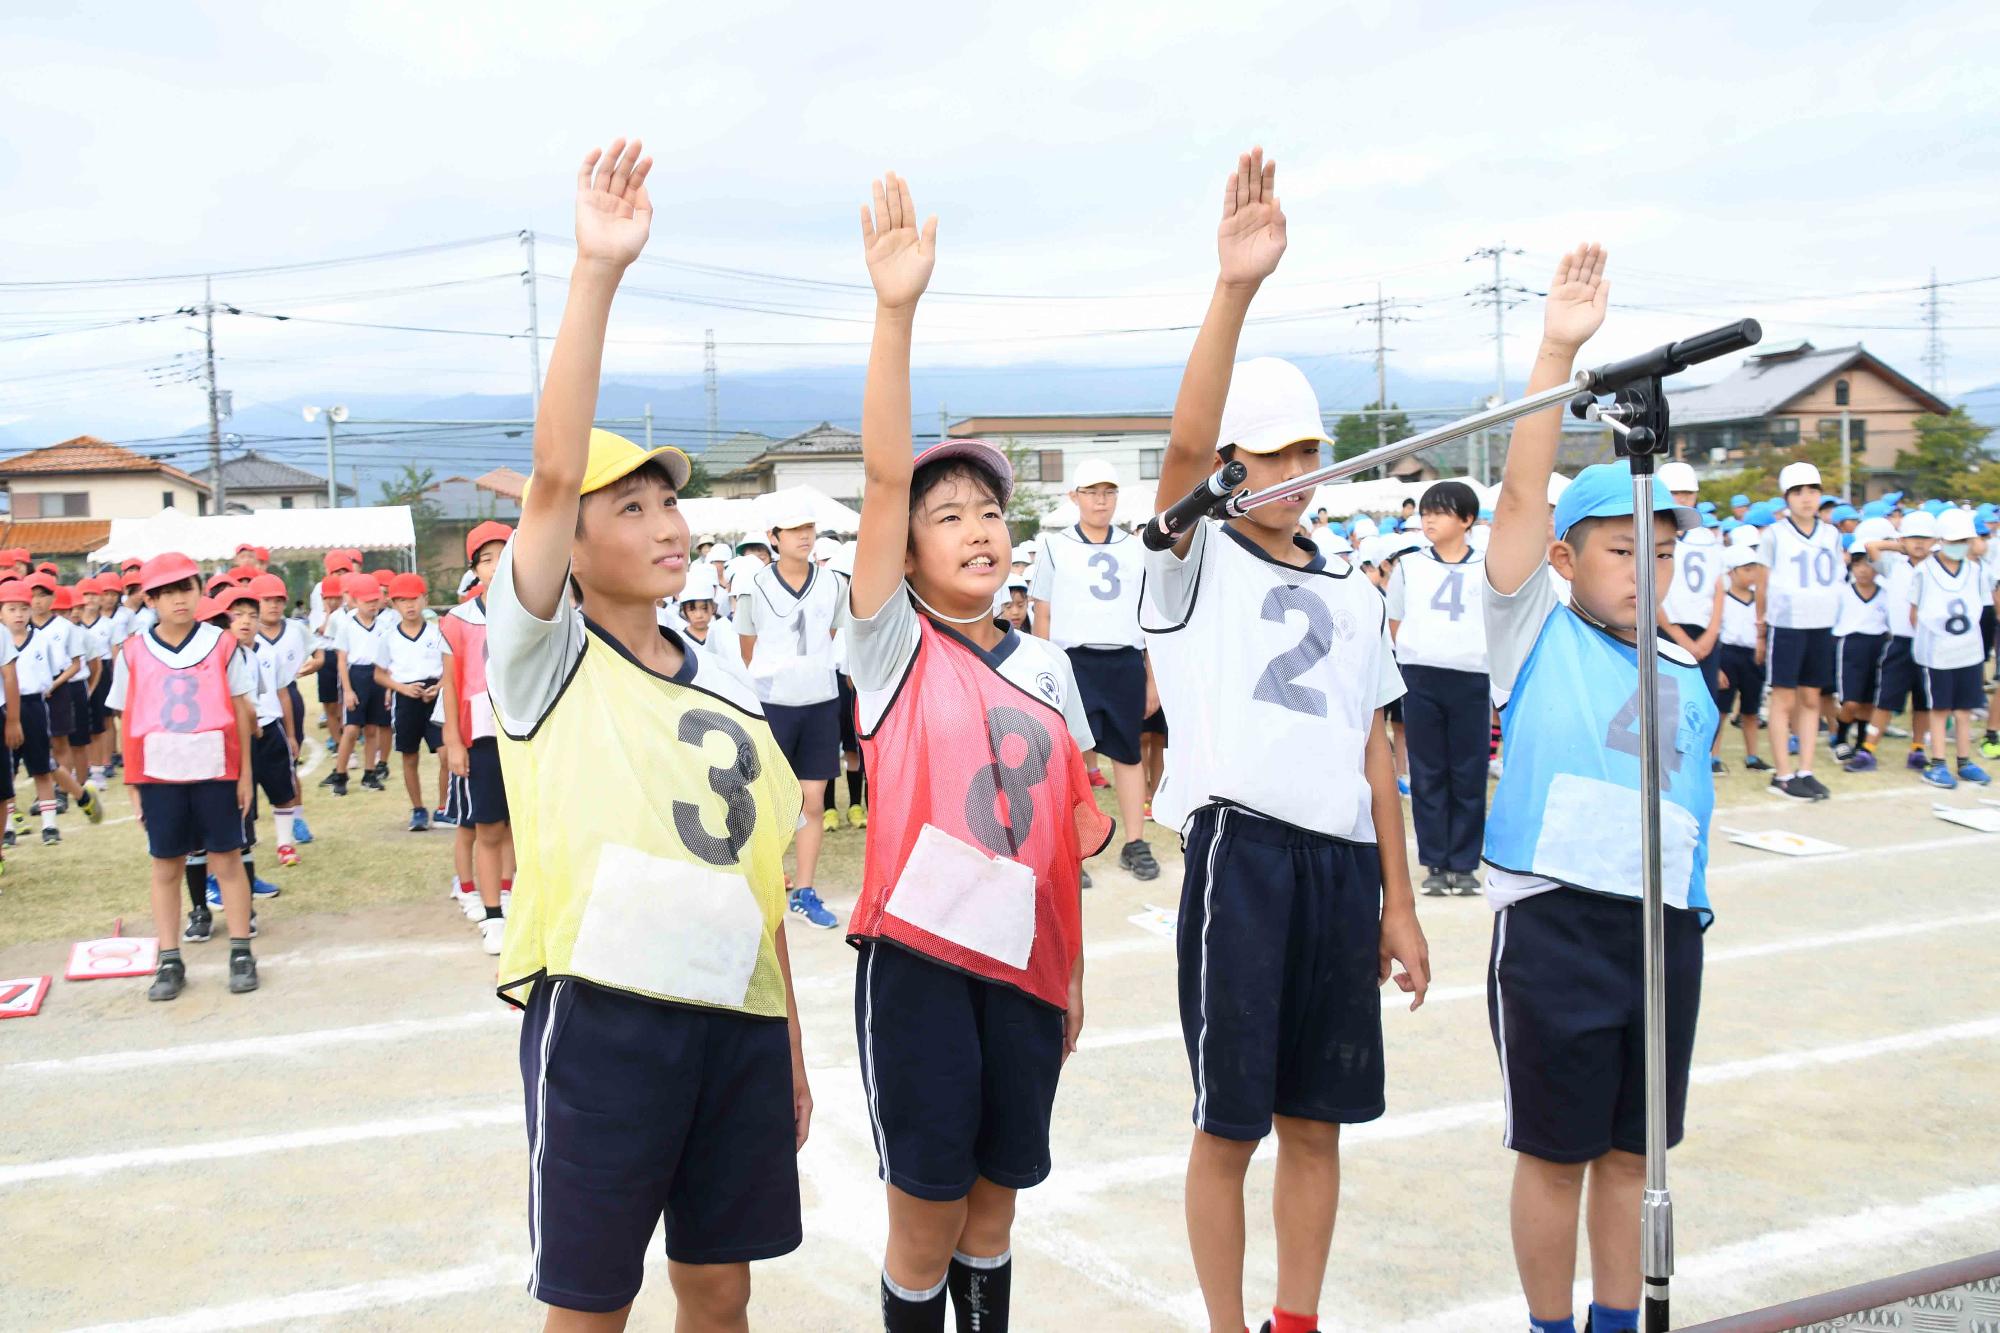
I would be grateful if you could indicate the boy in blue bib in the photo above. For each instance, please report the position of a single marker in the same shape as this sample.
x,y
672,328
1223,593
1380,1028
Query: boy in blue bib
x,y
1565,994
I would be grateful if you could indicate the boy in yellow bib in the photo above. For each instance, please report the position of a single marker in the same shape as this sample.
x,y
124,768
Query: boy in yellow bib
x,y
660,1052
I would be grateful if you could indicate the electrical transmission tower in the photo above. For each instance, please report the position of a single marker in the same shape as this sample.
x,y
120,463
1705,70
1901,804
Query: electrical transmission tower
x,y
1934,343
1381,314
708,380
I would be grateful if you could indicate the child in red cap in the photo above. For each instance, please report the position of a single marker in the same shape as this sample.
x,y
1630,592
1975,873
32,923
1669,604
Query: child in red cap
x,y
409,666
472,746
42,667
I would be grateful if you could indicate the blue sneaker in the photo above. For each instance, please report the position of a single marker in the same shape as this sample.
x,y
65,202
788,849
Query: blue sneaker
x,y
1403,786
214,892
1862,761
1717,766
805,903
1916,759
263,888
1940,776
1791,745
1971,772
420,819
300,833
333,747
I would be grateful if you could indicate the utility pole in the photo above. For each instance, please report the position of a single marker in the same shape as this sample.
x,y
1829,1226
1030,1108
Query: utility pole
x,y
708,380
534,327
220,490
944,421
334,415
1500,295
1934,345
649,427
1381,317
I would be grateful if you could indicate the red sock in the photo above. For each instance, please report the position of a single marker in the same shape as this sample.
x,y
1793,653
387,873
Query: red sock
x,y
506,886
1283,1321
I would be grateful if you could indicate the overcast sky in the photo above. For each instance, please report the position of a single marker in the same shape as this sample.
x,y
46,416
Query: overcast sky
x,y
1786,161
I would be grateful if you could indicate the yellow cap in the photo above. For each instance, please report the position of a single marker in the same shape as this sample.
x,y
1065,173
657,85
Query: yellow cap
x,y
613,456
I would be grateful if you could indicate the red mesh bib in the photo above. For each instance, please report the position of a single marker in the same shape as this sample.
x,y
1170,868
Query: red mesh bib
x,y
995,775
184,713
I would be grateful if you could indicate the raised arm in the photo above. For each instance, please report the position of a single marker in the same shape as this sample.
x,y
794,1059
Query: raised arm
x,y
1249,243
900,257
1520,537
613,215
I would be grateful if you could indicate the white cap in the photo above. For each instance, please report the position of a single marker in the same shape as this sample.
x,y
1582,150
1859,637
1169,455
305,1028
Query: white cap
x,y
1017,581
1797,474
825,549
1955,525
783,511
843,559
1479,537
1742,555
1874,530
1558,483
1402,543
1698,536
1677,476
1920,523
1745,535
1095,472
1270,405
1029,548
700,584
1331,542
740,571
721,553
1362,527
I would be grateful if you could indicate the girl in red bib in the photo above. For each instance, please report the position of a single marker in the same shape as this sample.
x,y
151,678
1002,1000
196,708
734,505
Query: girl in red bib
x,y
969,989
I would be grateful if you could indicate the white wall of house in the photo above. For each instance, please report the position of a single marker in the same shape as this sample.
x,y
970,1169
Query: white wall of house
x,y
277,499
839,478
113,494
1129,454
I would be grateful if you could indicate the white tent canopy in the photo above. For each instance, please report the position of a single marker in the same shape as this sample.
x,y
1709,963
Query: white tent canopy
x,y
1341,499
733,519
378,528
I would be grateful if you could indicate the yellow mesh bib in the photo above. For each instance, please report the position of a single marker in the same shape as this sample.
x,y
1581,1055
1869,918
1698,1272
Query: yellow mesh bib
x,y
650,821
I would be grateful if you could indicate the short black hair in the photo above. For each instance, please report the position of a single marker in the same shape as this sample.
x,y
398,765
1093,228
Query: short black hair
x,y
1407,501
178,585
1450,497
1579,531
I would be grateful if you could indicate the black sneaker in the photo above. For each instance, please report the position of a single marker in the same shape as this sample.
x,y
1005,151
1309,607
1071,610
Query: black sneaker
x,y
51,836
1755,763
200,927
242,974
1086,879
340,784
1463,883
371,781
1815,786
1793,787
167,982
382,771
62,802
7,838
1437,884
1137,857
334,779
1843,751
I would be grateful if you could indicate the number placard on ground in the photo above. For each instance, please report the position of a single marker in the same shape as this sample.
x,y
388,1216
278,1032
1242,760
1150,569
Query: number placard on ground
x,y
1982,818
118,956
1159,920
1784,844
22,997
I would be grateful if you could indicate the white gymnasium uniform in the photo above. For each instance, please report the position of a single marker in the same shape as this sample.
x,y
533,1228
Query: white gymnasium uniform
x,y
408,659
791,663
1440,610
1698,563
1739,622
1092,589
1807,570
1948,650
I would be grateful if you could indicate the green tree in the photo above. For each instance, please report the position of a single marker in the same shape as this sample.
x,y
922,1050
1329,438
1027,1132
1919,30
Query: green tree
x,y
1028,504
1355,433
412,488
697,482
1947,453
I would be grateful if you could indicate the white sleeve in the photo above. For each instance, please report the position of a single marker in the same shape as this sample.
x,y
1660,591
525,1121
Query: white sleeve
x,y
1042,580
1394,592
115,701
527,658
1513,622
242,674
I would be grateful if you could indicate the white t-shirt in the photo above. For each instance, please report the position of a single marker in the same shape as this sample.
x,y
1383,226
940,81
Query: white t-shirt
x,y
411,659
1092,589
1899,581
292,646
199,644
1859,615
361,642
44,656
1739,620
267,692
722,648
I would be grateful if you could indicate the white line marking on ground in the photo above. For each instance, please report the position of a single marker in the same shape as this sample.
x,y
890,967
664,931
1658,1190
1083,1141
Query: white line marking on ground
x,y
281,1046
332,1300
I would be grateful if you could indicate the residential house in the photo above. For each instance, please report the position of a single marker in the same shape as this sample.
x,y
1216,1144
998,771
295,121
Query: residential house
x,y
1047,449
62,498
253,481
827,458
495,494
1794,393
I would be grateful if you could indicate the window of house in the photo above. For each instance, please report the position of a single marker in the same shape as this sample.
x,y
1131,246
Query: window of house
x,y
1857,431
166,499
1149,464
284,502
1781,431
1041,465
52,504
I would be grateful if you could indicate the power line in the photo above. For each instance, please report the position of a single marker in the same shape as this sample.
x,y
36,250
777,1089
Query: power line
x,y
299,267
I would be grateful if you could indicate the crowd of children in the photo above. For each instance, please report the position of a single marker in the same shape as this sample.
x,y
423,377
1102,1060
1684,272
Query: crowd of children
x,y
711,699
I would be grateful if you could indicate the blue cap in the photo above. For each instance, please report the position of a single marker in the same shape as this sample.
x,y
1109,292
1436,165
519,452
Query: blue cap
x,y
1892,498
1738,500
1486,514
1841,513
1935,506
1980,526
1730,524
1987,510
1604,490
1340,528
1876,509
1846,541
1705,507
1708,521
1760,515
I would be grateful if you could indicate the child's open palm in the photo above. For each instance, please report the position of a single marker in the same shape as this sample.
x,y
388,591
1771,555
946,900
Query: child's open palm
x,y
1251,239
900,256
613,211
1577,295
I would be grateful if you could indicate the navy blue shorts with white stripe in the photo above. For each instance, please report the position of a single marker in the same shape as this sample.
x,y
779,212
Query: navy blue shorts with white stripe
x,y
1858,666
1799,658
638,1110
1565,1000
1900,679
1953,688
1279,941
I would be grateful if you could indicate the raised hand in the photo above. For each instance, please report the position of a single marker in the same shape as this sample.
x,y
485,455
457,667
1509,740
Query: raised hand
x,y
613,211
1577,295
900,256
1251,239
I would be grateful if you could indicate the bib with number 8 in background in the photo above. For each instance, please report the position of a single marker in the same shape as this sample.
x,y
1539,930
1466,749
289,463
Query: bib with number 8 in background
x,y
980,817
650,822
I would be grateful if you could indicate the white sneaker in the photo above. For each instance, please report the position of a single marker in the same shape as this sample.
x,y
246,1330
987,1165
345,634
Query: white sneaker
x,y
1493,767
491,930
467,899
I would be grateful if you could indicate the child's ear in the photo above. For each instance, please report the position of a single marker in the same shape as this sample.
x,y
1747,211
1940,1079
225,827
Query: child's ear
x,y
1562,559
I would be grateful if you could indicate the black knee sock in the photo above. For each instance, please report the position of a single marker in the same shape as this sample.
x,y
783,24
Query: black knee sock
x,y
197,882
979,1290
906,1311
249,868
856,792
829,802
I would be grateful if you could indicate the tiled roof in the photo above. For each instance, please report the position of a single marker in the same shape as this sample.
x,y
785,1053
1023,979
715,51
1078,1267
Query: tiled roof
x,y
1773,376
254,472
825,438
57,536
502,481
733,452
86,454
1109,423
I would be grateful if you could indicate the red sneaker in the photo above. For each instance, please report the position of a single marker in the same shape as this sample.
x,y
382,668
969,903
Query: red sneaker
x,y
1097,778
288,855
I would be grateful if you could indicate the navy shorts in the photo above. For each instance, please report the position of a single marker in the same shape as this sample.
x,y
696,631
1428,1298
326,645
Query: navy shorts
x,y
183,817
100,716
1799,658
271,767
1858,666
809,736
1278,943
371,701
487,791
329,679
1565,999
850,739
638,1111
295,703
959,1073
1155,724
1738,665
413,724
62,712
1112,684
34,753
1709,666
1952,688
1900,678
